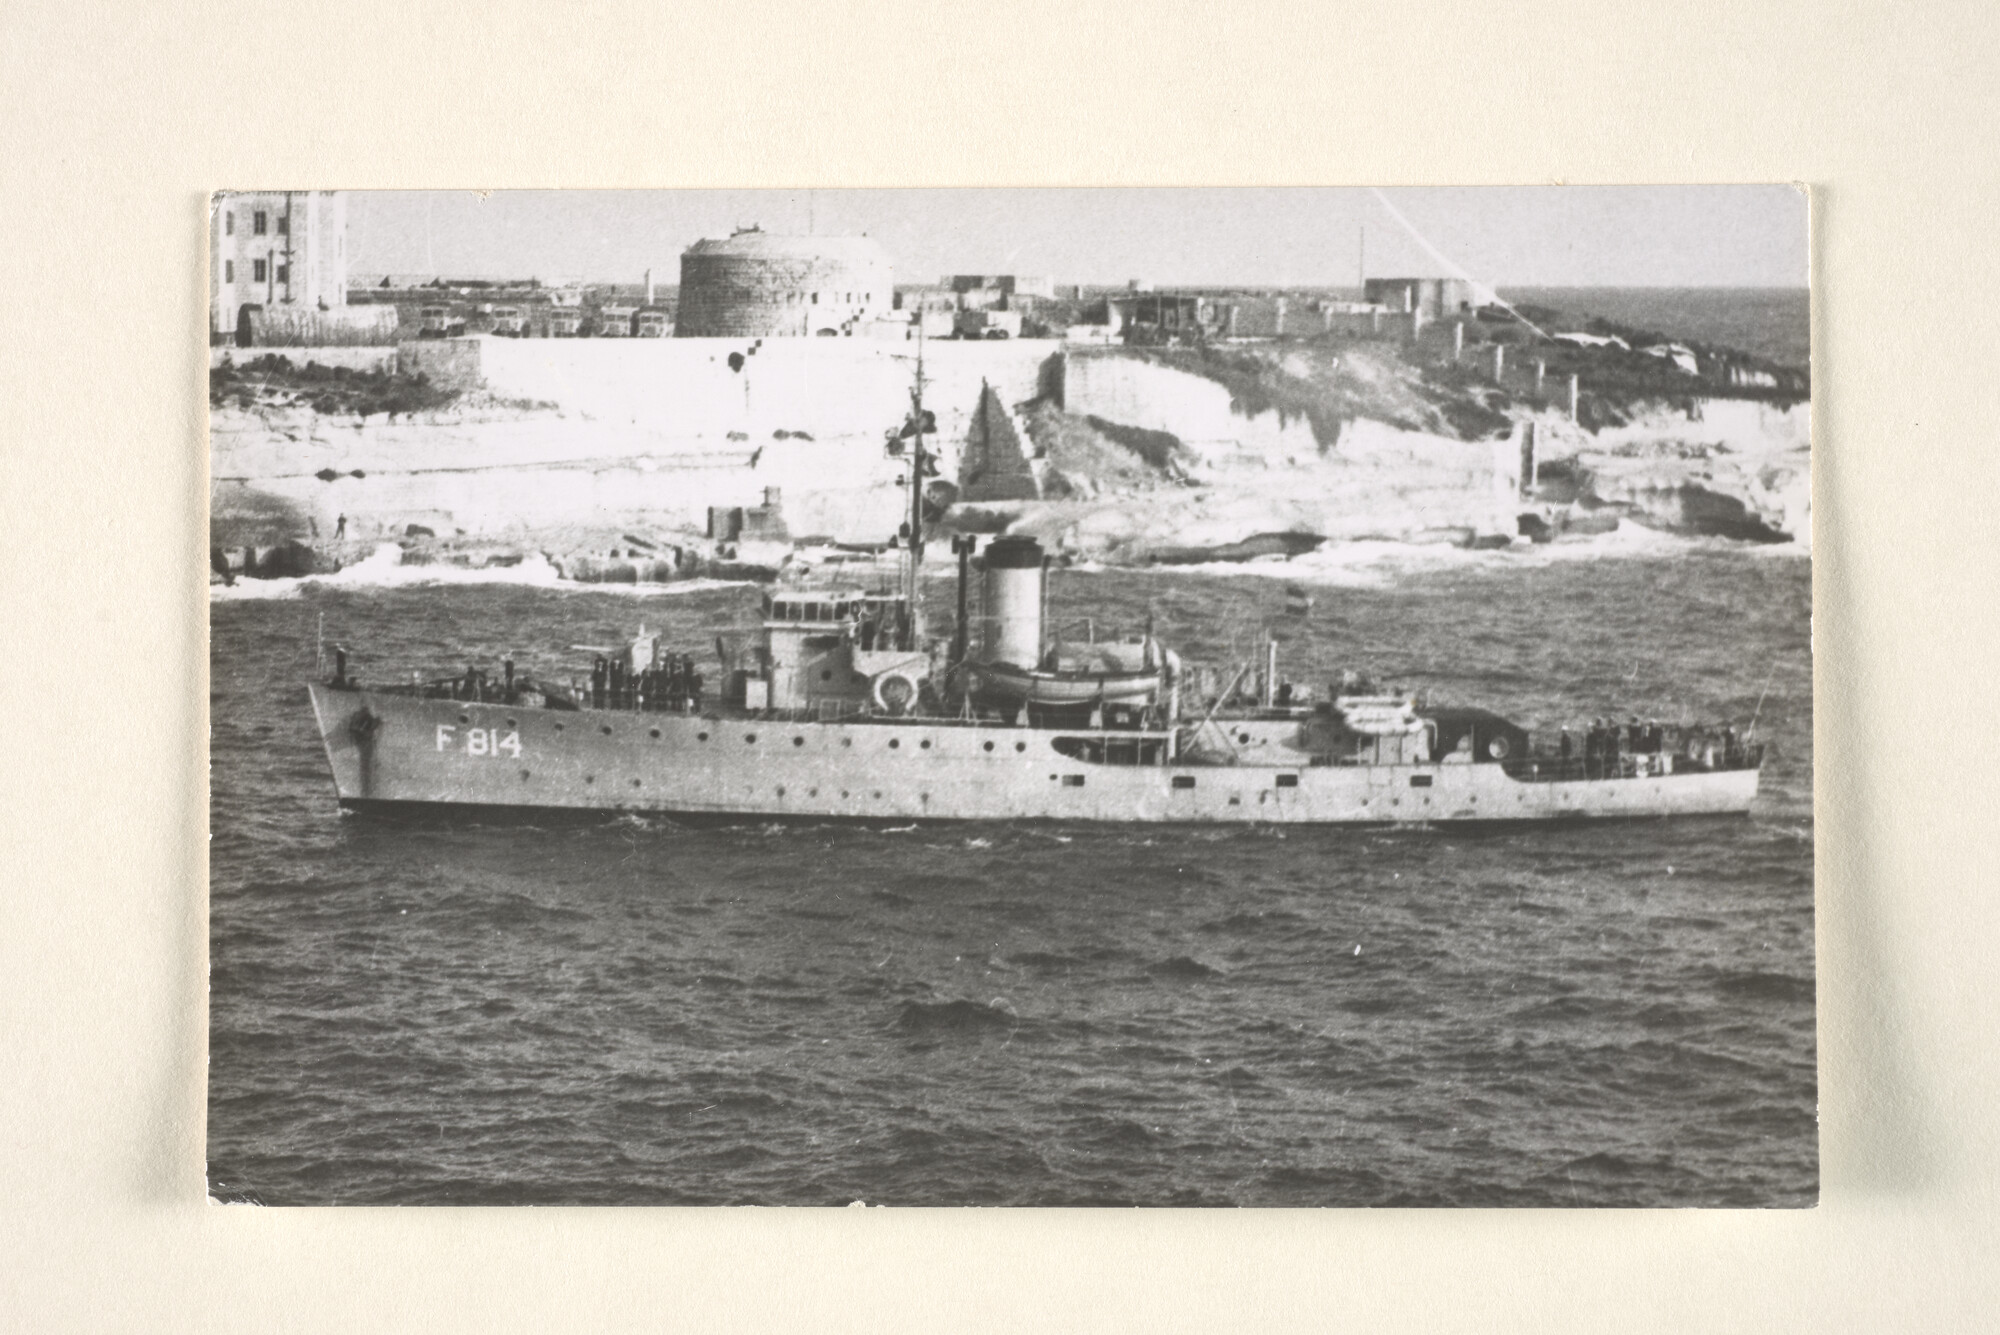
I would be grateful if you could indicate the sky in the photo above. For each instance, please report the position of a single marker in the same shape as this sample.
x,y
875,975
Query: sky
x,y
1520,236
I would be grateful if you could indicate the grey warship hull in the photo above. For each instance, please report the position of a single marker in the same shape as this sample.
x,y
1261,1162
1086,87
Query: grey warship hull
x,y
391,752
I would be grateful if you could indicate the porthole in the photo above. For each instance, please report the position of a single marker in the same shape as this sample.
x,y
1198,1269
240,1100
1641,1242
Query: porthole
x,y
604,728
653,733
878,792
894,743
847,741
1020,746
559,727
524,776
798,741
750,739
925,744
1243,737
635,783
781,790
590,778
699,737
826,675
465,718
812,792
512,724
989,746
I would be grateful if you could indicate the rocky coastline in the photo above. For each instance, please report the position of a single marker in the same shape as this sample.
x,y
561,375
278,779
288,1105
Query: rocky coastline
x,y
1137,456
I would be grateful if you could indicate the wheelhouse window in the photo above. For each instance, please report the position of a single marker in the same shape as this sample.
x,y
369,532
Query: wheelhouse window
x,y
257,223
256,271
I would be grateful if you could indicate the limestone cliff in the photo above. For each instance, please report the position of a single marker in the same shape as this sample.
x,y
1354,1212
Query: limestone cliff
x,y
1118,454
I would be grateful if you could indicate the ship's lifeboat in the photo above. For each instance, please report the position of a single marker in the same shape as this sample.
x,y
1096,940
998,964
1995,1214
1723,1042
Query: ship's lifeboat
x,y
1048,687
1096,674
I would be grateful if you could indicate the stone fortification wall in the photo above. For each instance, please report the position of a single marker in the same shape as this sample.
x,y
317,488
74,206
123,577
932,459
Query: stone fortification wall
x,y
353,357
1395,325
1138,393
708,389
452,363
503,479
642,431
756,285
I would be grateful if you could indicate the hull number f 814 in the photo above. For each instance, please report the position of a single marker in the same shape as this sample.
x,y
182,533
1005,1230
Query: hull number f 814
x,y
480,741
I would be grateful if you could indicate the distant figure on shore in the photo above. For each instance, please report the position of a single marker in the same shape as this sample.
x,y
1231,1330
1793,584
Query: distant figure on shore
x,y
340,528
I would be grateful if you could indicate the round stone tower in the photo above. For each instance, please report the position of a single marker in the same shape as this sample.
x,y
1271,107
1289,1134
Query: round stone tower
x,y
758,284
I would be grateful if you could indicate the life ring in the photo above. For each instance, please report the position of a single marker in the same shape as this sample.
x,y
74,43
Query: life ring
x,y
895,692
1498,748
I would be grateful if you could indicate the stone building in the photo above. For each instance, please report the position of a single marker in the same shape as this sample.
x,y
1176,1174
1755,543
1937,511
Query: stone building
x,y
1004,291
1164,315
278,254
757,284
1429,299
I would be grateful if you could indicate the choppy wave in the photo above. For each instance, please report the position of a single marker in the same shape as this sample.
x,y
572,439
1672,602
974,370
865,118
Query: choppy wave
x,y
384,568
1379,562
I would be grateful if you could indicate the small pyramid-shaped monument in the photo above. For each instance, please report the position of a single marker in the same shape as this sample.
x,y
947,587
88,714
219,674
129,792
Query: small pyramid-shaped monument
x,y
993,466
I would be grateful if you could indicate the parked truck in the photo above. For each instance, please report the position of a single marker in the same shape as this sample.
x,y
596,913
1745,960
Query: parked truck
x,y
439,322
615,321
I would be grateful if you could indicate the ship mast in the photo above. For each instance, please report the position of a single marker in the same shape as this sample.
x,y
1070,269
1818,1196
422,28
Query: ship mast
x,y
913,556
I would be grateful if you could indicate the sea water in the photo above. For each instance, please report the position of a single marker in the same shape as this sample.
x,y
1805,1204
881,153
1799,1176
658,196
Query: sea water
x,y
638,1011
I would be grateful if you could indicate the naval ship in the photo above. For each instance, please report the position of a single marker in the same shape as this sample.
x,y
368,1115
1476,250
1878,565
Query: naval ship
x,y
845,708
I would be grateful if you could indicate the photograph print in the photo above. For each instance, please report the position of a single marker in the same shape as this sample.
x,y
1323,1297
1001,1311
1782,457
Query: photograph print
x,y
1046,697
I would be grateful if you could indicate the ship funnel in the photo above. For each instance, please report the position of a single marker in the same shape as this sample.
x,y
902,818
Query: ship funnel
x,y
1013,592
